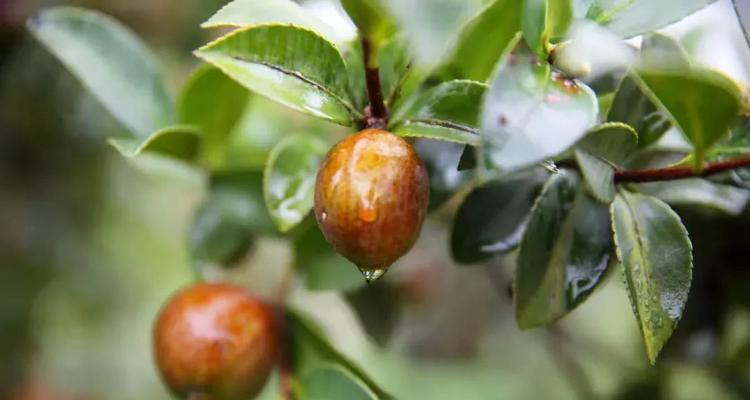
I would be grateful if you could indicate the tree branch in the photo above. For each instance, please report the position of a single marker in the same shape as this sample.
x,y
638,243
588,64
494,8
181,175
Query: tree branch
x,y
376,115
681,172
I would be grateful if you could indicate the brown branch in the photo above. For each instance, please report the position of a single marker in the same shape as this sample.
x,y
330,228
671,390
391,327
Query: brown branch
x,y
681,172
376,115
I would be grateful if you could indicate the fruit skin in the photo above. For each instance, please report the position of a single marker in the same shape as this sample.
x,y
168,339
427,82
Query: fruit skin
x,y
371,198
215,341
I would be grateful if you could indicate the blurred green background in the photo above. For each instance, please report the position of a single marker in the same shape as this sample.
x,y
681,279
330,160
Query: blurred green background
x,y
92,244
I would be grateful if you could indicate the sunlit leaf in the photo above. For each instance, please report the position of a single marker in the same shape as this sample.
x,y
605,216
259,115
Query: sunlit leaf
x,y
111,62
565,251
656,254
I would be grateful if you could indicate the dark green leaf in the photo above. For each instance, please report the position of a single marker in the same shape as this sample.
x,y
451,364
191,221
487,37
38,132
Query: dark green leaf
x,y
564,253
483,41
229,218
372,19
311,351
492,219
180,141
703,103
654,249
448,112
600,152
531,114
633,107
630,18
700,192
321,267
288,64
441,159
244,13
289,179
111,62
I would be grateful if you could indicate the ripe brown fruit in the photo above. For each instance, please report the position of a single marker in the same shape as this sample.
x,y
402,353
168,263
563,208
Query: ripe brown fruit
x,y
215,342
371,198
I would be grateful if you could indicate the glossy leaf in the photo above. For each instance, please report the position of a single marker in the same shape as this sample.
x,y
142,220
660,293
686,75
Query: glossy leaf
x,y
703,104
111,62
492,219
565,251
371,18
180,141
600,152
723,198
441,159
634,17
449,111
321,267
244,13
228,220
633,107
742,8
531,114
312,351
289,179
483,41
291,65
654,249
544,21
215,103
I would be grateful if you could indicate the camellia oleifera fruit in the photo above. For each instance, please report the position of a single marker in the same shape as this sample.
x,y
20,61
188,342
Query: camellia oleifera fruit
x,y
371,198
215,342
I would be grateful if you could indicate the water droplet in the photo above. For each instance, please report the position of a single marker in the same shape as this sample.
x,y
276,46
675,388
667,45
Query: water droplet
x,y
323,216
371,274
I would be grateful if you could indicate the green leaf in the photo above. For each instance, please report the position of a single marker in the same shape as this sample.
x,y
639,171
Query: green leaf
x,y
654,249
662,52
629,18
633,107
493,218
311,352
743,15
703,103
395,60
449,111
565,251
289,179
331,382
180,141
228,220
215,103
695,191
371,18
544,21
441,159
321,267
600,152
245,13
483,41
531,114
111,62
288,64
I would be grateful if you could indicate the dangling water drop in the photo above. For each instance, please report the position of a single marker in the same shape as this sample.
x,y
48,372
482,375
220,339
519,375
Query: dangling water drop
x,y
371,275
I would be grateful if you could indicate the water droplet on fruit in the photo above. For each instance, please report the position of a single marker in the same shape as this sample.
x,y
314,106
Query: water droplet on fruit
x,y
323,216
371,274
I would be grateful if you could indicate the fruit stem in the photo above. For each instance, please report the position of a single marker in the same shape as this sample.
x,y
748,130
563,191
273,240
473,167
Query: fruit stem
x,y
376,114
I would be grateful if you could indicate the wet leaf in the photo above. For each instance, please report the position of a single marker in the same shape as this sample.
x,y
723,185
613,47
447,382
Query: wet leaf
x,y
289,179
531,114
600,152
291,65
492,219
565,251
111,62
654,249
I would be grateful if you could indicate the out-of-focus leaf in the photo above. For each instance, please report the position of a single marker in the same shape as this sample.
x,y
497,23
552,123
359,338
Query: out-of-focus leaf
x,y
633,107
600,152
441,159
227,221
544,21
742,8
111,62
662,52
449,111
724,198
654,249
321,267
483,41
630,18
492,219
703,103
531,114
288,64
289,179
244,13
215,103
394,63
565,251
180,141
331,382
592,52
312,352
371,18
